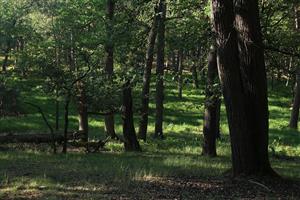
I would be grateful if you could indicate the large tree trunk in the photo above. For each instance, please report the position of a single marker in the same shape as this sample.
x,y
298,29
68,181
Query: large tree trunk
x,y
109,67
131,142
180,78
160,70
254,80
212,110
243,78
296,103
147,79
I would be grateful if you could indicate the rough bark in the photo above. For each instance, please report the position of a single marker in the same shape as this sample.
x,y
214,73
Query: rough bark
x,y
243,78
160,70
131,143
109,66
147,79
254,81
212,104
296,103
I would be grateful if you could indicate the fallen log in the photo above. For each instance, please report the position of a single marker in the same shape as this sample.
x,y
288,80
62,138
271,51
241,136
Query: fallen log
x,y
37,138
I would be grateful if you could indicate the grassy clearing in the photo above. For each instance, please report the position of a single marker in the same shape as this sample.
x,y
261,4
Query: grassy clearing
x,y
37,174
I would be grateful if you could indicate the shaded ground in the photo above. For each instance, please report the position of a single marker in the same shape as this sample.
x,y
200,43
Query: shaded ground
x,y
164,188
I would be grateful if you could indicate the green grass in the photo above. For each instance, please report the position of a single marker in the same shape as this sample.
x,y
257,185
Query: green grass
x,y
47,176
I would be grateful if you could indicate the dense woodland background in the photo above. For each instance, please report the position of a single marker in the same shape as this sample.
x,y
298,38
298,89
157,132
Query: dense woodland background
x,y
149,99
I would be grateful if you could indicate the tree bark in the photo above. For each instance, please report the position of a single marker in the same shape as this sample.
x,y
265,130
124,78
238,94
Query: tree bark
x,y
212,111
131,142
109,66
243,78
147,79
296,103
160,70
180,78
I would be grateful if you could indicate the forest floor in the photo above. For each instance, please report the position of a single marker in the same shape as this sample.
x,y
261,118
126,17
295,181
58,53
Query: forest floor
x,y
172,168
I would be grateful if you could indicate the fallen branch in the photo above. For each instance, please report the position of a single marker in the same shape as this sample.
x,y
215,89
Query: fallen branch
x,y
260,184
36,138
46,122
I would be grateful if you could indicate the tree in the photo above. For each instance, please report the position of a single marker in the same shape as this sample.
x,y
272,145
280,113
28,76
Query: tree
x,y
147,78
109,66
160,69
180,70
131,143
212,107
296,102
243,78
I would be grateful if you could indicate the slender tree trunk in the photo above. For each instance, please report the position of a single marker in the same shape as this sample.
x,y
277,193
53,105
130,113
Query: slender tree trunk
x,y
160,70
109,67
56,112
174,61
212,104
243,78
147,79
297,16
83,121
289,71
131,142
66,126
6,55
296,103
195,76
180,78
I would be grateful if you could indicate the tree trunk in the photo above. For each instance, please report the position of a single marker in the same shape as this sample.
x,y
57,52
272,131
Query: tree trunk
x,y
109,67
5,61
195,76
212,111
243,78
83,121
147,79
180,78
131,142
57,111
66,126
297,16
296,103
174,61
160,70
